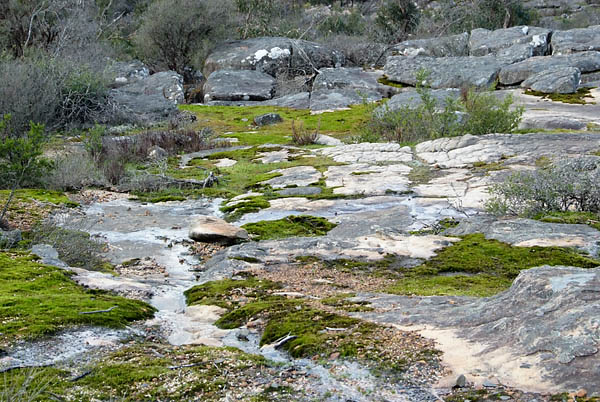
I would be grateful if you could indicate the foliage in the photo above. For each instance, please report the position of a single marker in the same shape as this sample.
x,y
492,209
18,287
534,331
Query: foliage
x,y
568,185
178,34
20,154
577,98
38,300
343,23
396,19
290,226
474,113
300,136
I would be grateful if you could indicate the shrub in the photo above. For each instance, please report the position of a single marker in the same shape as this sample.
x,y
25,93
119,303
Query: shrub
x,y
343,23
567,185
175,34
74,171
396,19
474,113
302,137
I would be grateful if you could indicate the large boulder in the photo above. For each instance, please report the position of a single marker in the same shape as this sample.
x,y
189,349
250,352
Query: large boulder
x,y
150,100
272,55
351,78
341,98
576,40
127,72
210,229
509,41
295,101
445,46
516,73
411,99
445,72
244,85
564,80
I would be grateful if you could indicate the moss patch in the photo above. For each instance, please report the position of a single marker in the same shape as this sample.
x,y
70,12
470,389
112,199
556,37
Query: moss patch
x,y
572,217
245,206
290,226
486,167
37,300
578,97
476,266
30,206
386,81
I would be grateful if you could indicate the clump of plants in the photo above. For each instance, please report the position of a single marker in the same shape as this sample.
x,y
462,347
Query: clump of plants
x,y
569,185
301,136
474,113
290,226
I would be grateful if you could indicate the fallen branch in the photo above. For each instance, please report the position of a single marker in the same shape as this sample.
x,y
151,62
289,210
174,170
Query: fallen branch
x,y
108,310
283,340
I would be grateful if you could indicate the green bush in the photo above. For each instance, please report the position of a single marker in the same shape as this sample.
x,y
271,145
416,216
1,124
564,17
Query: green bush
x,y
474,113
343,23
396,19
568,185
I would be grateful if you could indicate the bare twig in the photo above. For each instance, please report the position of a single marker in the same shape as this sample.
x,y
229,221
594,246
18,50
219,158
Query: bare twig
x,y
99,311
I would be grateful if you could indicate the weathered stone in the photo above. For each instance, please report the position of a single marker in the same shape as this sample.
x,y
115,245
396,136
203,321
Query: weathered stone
x,y
445,46
294,176
367,180
300,191
552,123
157,153
332,99
483,42
272,55
369,153
323,139
461,381
126,72
267,119
513,74
214,230
9,238
576,40
445,72
295,101
151,99
351,78
243,85
562,80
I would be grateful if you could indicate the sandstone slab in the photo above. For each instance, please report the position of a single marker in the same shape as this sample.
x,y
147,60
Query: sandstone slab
x,y
210,229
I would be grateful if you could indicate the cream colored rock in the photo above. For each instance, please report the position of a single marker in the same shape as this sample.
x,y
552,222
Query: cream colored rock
x,y
214,230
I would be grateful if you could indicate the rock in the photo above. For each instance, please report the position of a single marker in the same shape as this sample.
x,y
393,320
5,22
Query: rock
x,y
9,238
295,101
581,393
341,98
411,99
48,255
243,335
214,230
150,100
272,55
351,78
461,381
230,85
445,72
516,73
445,46
300,191
126,72
369,153
509,41
552,123
267,119
298,176
323,139
576,40
157,153
489,384
562,81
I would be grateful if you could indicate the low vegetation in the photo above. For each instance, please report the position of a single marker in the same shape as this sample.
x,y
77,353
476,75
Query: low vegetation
x,y
38,300
577,98
290,226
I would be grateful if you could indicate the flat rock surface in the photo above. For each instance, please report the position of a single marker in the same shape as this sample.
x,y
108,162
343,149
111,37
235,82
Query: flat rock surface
x,y
229,85
211,229
369,153
295,176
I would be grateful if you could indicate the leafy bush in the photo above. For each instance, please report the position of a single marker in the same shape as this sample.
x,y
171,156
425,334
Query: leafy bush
x,y
396,19
175,34
567,185
343,23
74,171
474,113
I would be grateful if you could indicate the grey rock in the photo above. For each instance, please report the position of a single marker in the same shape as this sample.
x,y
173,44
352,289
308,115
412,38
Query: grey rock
x,y
150,100
563,80
351,78
483,42
127,72
341,98
516,73
267,119
272,55
10,237
294,176
157,153
552,123
489,384
446,46
300,191
411,99
295,101
546,309
323,139
243,335
48,255
576,40
243,85
445,72
461,381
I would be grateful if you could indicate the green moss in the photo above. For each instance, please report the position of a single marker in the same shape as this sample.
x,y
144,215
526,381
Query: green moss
x,y
341,302
37,300
53,197
386,81
486,167
578,97
476,266
362,173
290,226
420,174
245,206
571,217
438,228
543,162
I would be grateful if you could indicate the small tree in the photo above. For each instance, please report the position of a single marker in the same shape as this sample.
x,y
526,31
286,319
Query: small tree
x,y
20,157
396,19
